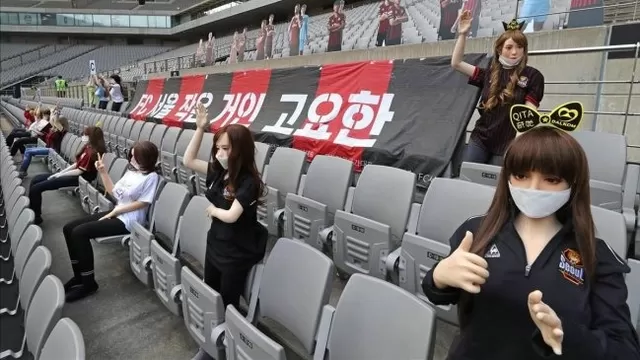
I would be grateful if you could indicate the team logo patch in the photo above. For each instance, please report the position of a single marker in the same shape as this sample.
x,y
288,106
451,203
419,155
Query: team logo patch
x,y
228,195
571,266
523,81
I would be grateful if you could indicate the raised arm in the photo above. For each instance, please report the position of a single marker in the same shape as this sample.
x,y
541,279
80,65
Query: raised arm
x,y
464,26
190,158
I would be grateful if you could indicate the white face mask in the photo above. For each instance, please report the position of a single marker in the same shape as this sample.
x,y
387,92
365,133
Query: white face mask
x,y
84,139
224,161
509,63
537,204
134,163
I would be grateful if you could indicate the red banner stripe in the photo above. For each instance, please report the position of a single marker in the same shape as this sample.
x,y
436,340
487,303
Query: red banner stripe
x,y
347,119
244,100
190,88
148,101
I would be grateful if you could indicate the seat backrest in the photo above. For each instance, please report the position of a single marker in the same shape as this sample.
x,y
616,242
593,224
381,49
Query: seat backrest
x,y
384,194
126,129
170,139
136,129
295,285
64,342
31,238
118,169
152,133
611,227
262,151
450,202
43,313
361,326
204,153
633,299
193,229
328,180
108,159
25,218
183,142
170,205
606,155
35,270
285,168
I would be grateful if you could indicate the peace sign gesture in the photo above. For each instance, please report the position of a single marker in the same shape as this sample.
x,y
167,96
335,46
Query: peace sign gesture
x,y
201,116
100,164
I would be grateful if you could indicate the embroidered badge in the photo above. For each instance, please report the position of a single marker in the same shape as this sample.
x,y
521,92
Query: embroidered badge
x,y
523,81
571,267
227,194
493,252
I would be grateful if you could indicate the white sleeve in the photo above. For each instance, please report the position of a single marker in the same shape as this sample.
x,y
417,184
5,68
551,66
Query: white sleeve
x,y
148,192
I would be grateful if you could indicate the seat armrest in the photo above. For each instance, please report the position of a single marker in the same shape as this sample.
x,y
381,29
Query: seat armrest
x,y
414,215
349,202
630,187
324,328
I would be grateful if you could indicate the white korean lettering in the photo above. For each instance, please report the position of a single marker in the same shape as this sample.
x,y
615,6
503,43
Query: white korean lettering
x,y
240,107
187,112
318,125
363,104
300,100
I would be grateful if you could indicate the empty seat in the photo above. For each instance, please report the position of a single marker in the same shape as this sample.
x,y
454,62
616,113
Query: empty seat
x,y
134,134
484,174
36,268
43,313
633,299
12,230
611,228
324,191
168,154
294,287
64,342
190,242
283,177
262,152
30,240
447,204
199,181
125,134
18,225
396,325
162,229
367,232
183,174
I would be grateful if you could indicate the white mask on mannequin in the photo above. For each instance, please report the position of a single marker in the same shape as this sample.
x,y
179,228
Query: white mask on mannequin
x,y
509,63
538,204
223,160
84,139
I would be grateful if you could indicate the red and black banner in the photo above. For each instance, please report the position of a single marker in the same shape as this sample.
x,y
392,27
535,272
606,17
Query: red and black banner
x,y
403,113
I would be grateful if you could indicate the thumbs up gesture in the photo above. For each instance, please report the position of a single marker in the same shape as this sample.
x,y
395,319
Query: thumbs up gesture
x,y
462,269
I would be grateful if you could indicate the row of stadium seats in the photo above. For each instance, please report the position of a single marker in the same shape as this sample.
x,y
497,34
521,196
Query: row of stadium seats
x,y
320,208
32,299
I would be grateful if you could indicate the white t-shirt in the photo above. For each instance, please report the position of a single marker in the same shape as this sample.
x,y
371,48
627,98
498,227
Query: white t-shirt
x,y
135,186
116,93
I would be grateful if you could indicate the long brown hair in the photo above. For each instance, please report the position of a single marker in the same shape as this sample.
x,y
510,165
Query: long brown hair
x,y
242,157
497,94
551,152
96,140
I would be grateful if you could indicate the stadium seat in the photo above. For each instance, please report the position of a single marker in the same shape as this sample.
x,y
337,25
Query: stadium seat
x,y
447,204
396,325
633,299
125,133
324,191
190,240
365,234
295,285
168,154
184,175
10,200
64,342
282,177
30,239
83,192
484,174
197,180
116,133
161,233
15,205
134,134
611,228
36,268
18,226
262,153
43,313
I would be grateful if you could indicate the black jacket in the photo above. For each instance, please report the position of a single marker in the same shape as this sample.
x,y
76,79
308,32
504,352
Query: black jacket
x,y
594,314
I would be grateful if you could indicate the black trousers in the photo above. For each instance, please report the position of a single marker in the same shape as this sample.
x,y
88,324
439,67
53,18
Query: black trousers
x,y
16,134
228,282
116,106
19,144
78,234
41,183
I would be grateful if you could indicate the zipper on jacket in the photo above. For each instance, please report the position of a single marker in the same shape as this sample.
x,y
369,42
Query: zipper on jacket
x,y
527,269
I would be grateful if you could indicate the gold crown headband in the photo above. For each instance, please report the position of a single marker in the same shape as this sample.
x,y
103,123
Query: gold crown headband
x,y
565,117
513,25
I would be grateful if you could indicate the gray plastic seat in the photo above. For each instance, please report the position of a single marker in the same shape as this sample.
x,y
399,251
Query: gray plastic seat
x,y
484,174
283,177
30,239
633,286
83,192
19,225
162,229
14,206
36,268
199,181
93,198
190,241
64,342
168,154
43,313
183,173
447,204
294,288
262,153
611,228
377,320
373,226
324,191
134,134
125,133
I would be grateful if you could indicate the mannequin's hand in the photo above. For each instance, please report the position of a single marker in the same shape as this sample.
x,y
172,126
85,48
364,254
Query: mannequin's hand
x,y
547,322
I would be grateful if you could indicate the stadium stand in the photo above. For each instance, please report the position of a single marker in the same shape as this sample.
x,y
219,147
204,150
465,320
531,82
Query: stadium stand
x,y
168,255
